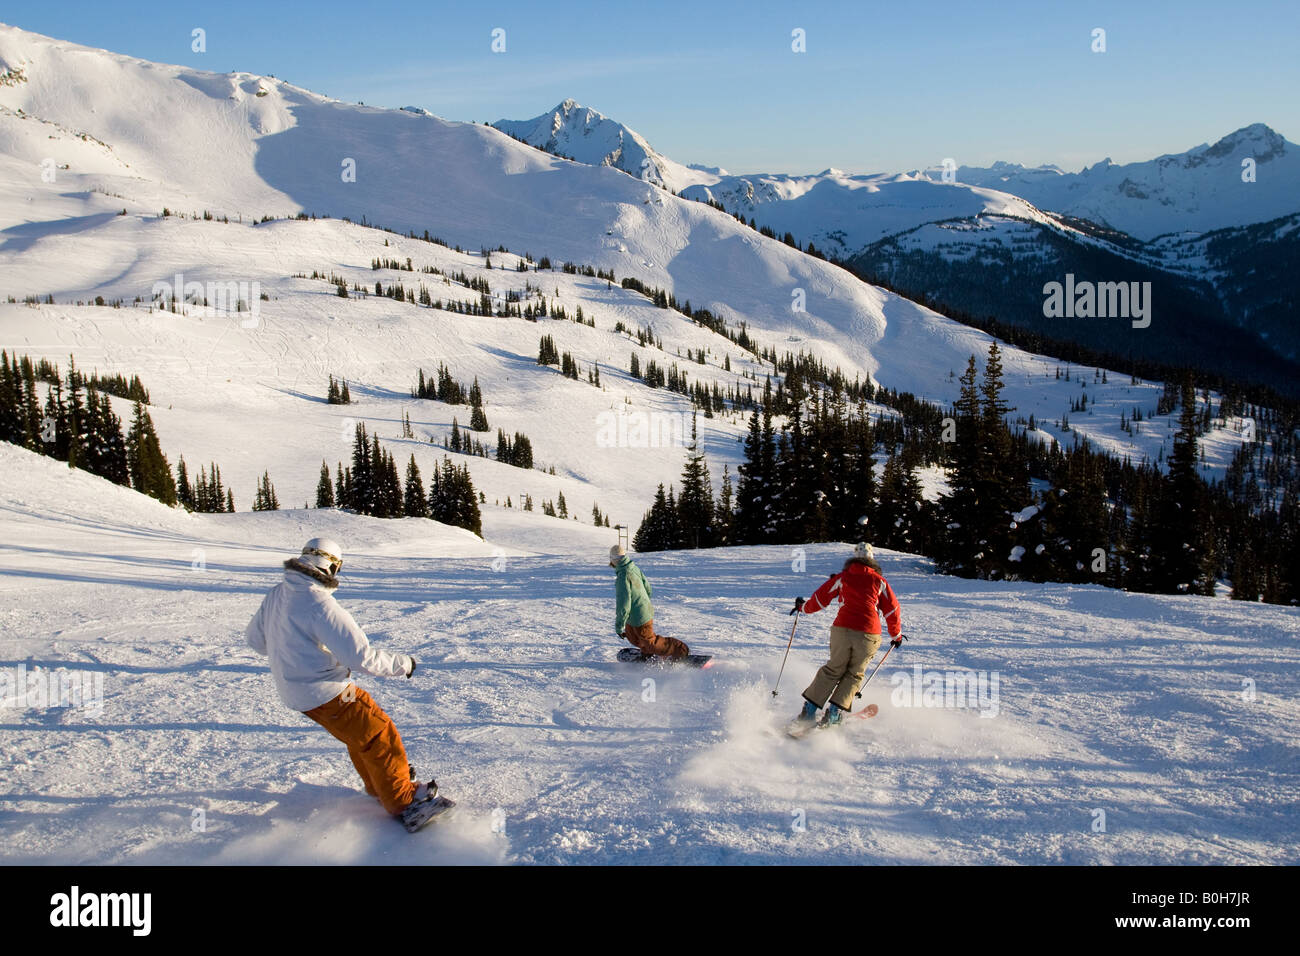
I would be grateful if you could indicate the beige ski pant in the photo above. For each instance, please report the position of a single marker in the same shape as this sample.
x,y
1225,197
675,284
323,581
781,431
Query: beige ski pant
x,y
841,676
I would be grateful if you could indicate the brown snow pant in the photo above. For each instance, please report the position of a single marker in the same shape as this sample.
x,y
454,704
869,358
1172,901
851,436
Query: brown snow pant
x,y
373,743
841,676
645,640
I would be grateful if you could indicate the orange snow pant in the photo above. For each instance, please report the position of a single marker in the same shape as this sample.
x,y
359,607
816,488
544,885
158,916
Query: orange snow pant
x,y
373,743
644,639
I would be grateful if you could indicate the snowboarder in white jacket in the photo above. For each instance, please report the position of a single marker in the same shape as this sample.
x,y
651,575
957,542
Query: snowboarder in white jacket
x,y
313,646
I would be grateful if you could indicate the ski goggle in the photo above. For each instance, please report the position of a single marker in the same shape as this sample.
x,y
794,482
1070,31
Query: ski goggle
x,y
336,563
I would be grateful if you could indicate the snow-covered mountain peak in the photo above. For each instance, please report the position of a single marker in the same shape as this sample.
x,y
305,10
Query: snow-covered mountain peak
x,y
588,136
1257,140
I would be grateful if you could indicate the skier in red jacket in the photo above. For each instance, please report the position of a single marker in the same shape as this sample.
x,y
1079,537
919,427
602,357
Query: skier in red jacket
x,y
864,597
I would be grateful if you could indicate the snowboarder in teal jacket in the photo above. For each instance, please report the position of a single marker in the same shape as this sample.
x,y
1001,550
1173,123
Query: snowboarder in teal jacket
x,y
633,612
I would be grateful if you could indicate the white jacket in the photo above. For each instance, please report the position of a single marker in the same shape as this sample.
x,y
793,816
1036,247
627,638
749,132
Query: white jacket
x,y
313,643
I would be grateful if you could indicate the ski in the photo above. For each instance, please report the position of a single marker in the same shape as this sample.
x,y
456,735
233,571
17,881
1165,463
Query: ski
x,y
630,655
869,711
798,729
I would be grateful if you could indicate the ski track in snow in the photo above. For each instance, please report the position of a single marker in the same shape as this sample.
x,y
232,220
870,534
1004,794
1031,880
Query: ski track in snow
x,y
1128,703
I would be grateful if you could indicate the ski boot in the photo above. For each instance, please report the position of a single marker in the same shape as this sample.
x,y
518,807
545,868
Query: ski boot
x,y
832,718
805,722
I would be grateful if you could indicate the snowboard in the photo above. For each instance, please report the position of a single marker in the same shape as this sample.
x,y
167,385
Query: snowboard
x,y
630,655
413,818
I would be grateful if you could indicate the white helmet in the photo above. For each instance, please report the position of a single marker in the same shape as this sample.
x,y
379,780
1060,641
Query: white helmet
x,y
324,554
615,553
863,550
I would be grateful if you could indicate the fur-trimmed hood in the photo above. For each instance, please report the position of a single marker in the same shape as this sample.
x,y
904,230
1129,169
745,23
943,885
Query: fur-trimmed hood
x,y
316,574
863,562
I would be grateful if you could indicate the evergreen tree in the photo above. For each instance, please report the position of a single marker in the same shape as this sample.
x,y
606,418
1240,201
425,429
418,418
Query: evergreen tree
x,y
547,353
522,451
1183,558
361,484
265,499
793,499
850,458
184,493
76,421
989,481
465,502
31,408
1003,485
477,418
1074,523
753,505
963,545
901,517
324,488
150,472
415,504
392,484
695,504
654,533
673,537
11,417
724,517
452,499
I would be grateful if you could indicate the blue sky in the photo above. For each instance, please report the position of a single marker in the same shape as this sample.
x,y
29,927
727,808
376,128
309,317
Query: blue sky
x,y
881,87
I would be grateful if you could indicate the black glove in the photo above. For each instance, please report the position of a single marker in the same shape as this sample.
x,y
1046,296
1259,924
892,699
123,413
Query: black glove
x,y
798,605
898,641
412,670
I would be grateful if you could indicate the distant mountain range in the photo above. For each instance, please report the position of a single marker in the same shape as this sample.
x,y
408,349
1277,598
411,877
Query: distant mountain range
x,y
1199,190
1213,229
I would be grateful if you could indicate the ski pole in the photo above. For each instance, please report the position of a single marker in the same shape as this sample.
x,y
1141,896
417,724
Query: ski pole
x,y
880,665
787,650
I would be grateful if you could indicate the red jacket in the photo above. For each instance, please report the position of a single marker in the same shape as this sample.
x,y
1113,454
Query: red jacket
x,y
860,591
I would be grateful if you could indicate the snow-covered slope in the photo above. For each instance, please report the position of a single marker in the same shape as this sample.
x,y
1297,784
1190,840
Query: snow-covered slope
x,y
558,754
587,136
197,141
1198,190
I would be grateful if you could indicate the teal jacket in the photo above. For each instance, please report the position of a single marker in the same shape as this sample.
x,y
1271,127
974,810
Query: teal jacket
x,y
632,591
